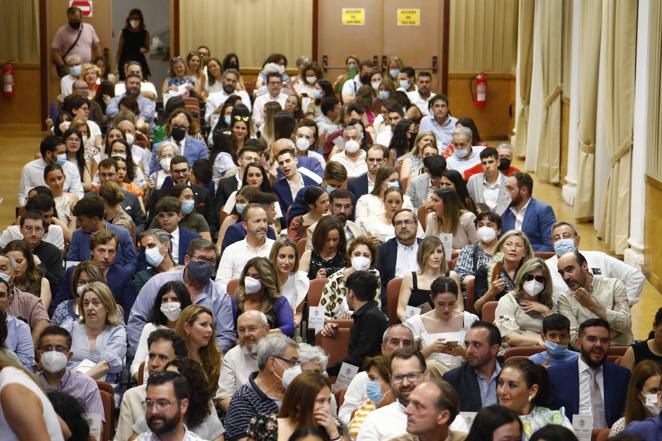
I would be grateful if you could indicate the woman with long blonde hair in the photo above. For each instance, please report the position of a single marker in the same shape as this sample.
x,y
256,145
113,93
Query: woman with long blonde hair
x,y
196,326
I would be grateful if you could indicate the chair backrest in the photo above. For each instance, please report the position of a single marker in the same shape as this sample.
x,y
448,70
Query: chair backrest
x,y
603,435
595,433
232,286
108,401
469,289
617,350
422,216
392,292
301,245
340,397
140,376
523,351
337,347
315,291
544,255
489,310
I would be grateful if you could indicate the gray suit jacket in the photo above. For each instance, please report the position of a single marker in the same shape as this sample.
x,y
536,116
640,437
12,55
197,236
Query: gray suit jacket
x,y
418,190
475,188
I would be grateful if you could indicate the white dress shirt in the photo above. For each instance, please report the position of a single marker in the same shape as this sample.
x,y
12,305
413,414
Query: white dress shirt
x,y
491,192
295,185
234,259
405,261
384,137
54,235
422,103
355,167
370,205
145,86
443,132
585,380
237,365
260,101
295,288
32,176
217,99
174,245
519,216
354,397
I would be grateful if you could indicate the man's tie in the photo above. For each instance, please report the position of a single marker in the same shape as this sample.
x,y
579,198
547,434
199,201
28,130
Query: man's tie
x,y
597,403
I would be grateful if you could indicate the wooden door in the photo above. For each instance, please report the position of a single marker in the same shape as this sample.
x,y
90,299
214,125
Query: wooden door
x,y
348,27
413,30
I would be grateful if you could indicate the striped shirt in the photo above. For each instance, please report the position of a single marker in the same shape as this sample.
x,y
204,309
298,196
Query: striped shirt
x,y
247,402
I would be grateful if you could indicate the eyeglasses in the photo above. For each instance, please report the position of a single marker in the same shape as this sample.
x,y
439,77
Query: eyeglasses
x,y
204,260
290,362
401,223
410,377
530,277
57,348
159,404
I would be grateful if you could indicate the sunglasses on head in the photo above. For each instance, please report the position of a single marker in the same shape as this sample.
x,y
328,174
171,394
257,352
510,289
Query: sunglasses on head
x,y
242,118
530,277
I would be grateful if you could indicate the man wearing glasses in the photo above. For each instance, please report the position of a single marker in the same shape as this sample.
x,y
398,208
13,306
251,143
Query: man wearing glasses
x,y
274,93
376,157
196,274
264,392
408,369
53,354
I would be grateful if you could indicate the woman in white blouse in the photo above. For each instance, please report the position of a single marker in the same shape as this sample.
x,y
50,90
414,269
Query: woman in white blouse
x,y
449,217
372,204
293,283
381,225
440,332
519,313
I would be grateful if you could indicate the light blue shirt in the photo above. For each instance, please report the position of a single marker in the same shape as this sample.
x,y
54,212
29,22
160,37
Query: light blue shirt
x,y
19,341
212,296
147,108
441,132
487,387
542,357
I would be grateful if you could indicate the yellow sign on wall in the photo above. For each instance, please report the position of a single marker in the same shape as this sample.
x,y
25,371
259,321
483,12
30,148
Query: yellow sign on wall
x,y
409,17
354,17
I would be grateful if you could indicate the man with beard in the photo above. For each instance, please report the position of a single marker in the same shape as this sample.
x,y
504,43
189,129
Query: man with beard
x,y
166,404
476,379
147,107
420,97
592,296
408,370
528,214
591,385
215,100
341,206
164,345
241,360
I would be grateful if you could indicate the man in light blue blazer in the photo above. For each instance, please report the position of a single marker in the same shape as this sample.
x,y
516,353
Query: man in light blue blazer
x,y
528,214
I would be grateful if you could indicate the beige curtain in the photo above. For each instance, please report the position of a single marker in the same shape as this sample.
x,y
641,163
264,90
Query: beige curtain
x,y
524,70
19,21
588,98
619,22
252,29
654,153
483,36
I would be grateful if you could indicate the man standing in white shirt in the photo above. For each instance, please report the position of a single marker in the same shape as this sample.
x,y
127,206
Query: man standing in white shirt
x,y
216,100
464,155
274,93
352,157
256,244
52,150
489,187
408,369
566,239
440,122
240,361
421,97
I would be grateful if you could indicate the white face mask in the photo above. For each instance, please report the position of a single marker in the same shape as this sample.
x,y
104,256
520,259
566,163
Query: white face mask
x,y
302,144
165,163
360,263
129,138
64,125
134,23
53,361
252,286
311,80
651,403
171,310
352,146
533,287
375,85
289,375
486,234
80,290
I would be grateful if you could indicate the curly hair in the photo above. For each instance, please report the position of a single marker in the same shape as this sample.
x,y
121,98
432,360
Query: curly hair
x,y
268,279
202,391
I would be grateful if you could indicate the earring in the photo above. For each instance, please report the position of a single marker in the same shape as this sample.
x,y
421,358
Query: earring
x,y
530,398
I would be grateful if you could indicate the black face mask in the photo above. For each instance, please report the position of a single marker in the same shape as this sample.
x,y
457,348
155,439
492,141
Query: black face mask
x,y
75,24
178,133
365,79
504,164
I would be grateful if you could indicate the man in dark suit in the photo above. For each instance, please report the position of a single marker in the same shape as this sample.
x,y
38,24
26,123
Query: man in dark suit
x,y
591,384
103,249
376,157
527,214
396,257
476,379
292,181
226,186
130,204
169,213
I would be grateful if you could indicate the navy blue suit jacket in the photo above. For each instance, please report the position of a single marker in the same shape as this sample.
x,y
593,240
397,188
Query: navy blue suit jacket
x,y
538,221
463,379
118,278
237,232
282,190
564,379
185,237
359,185
387,254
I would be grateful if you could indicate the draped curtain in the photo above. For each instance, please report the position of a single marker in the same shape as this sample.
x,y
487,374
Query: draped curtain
x,y
619,24
588,77
19,21
524,67
654,153
252,29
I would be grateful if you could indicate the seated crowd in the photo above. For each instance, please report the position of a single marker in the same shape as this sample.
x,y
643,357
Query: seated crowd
x,y
304,259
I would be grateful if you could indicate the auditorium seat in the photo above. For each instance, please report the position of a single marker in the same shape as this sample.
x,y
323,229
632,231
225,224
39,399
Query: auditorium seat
x,y
140,375
232,287
603,435
315,291
544,255
108,400
422,216
489,310
337,346
392,291
301,245
469,290
521,351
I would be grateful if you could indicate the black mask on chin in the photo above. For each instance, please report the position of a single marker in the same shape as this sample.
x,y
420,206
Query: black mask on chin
x,y
75,24
365,79
504,164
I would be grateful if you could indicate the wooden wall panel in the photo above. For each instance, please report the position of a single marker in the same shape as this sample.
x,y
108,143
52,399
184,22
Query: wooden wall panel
x,y
653,233
23,108
494,121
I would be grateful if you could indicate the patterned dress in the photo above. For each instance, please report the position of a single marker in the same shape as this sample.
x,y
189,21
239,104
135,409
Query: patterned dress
x,y
540,417
335,293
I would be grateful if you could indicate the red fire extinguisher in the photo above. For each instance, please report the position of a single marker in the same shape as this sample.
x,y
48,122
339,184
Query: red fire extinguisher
x,y
480,98
8,86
